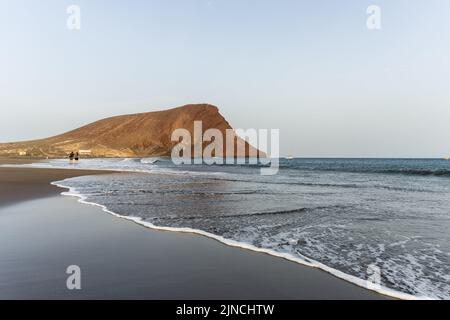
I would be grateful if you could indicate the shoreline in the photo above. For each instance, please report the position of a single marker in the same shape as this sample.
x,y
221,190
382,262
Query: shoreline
x,y
22,184
303,261
336,284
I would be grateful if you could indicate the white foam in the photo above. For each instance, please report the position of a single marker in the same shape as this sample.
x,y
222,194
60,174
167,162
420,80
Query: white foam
x,y
149,160
298,259
110,165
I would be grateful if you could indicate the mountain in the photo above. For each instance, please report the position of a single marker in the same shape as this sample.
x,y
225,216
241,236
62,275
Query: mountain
x,y
134,135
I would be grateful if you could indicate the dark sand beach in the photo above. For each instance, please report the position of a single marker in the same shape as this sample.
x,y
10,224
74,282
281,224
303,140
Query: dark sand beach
x,y
20,184
42,233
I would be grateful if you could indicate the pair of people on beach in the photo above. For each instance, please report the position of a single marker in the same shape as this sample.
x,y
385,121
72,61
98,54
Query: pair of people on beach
x,y
74,156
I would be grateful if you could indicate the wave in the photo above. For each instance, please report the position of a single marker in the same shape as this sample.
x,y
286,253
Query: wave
x,y
229,216
233,243
399,171
130,160
289,211
227,176
110,166
149,160
420,172
195,192
267,213
163,165
337,185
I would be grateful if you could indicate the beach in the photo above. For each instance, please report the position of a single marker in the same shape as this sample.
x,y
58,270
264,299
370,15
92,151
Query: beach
x,y
42,233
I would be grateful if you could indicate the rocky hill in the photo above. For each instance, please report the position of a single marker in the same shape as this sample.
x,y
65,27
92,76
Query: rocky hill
x,y
134,135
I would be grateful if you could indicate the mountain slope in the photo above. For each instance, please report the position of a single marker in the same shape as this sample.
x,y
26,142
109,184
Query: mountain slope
x,y
134,135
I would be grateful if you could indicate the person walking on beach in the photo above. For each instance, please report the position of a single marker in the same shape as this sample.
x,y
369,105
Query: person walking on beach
x,y
71,156
77,156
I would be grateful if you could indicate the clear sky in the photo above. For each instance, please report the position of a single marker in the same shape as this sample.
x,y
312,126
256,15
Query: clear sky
x,y
310,68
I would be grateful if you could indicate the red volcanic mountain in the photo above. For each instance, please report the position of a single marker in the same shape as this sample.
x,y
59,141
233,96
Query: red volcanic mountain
x,y
134,135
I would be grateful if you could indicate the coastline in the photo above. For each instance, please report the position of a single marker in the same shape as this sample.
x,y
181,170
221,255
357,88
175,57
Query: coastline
x,y
21,184
303,261
211,271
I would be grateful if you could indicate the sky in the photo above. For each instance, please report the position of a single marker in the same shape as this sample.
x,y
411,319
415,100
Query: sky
x,y
311,69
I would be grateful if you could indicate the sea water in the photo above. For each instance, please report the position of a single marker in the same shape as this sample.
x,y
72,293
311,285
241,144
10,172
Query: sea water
x,y
346,216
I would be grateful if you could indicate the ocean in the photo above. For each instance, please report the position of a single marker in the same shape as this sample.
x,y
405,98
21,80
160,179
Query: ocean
x,y
383,220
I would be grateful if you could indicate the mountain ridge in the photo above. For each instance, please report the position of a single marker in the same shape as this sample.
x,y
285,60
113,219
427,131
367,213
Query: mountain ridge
x,y
130,135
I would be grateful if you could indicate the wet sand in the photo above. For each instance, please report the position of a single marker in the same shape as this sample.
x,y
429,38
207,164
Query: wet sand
x,y
42,233
20,184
